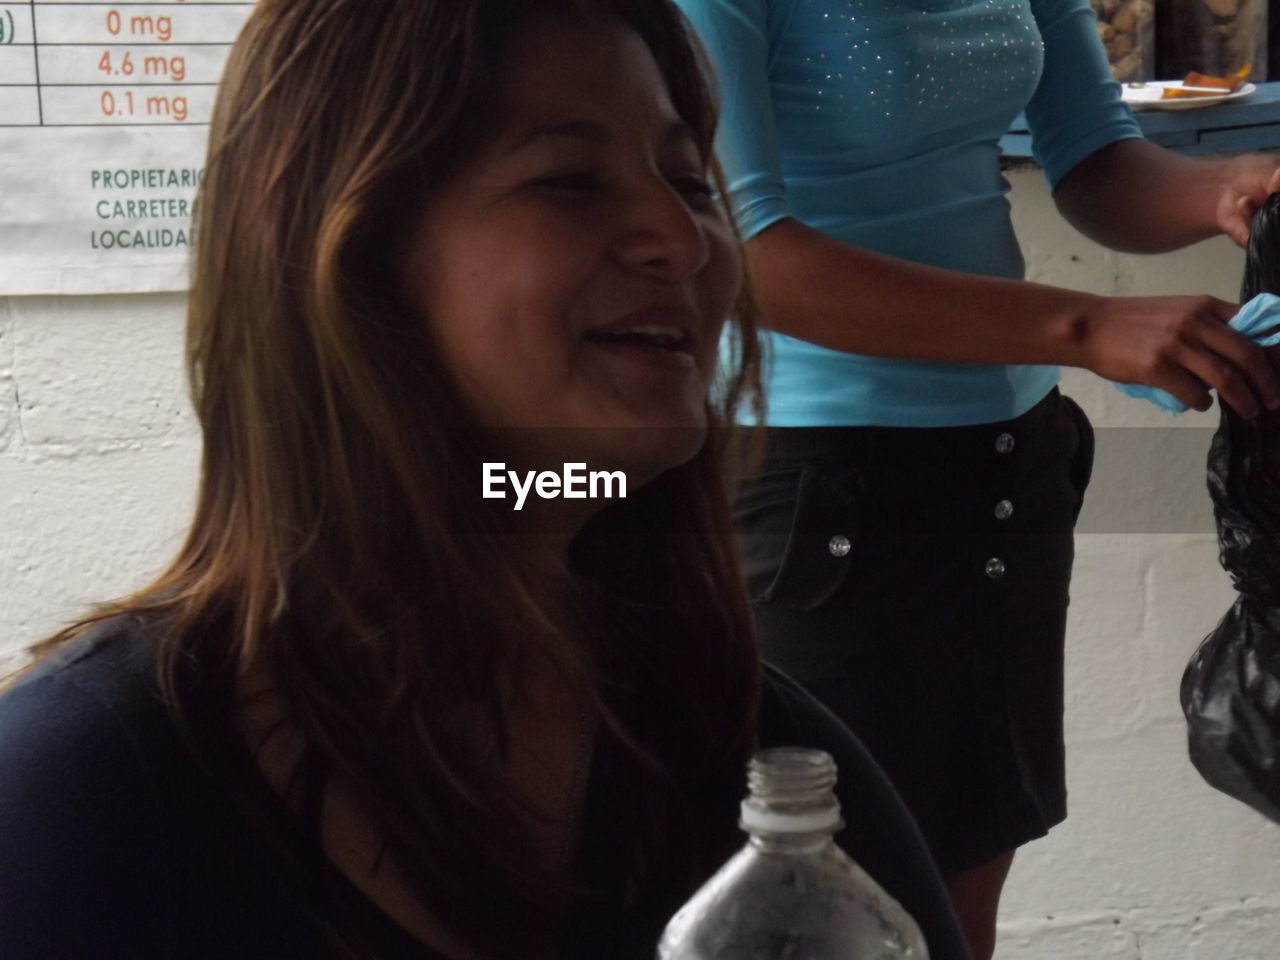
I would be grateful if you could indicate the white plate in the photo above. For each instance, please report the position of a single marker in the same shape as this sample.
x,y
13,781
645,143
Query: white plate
x,y
1147,96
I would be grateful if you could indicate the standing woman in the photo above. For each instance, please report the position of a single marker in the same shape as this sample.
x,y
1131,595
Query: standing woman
x,y
909,536
368,711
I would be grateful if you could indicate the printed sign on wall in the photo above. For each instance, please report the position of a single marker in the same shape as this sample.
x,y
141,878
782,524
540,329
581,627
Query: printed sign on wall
x,y
104,112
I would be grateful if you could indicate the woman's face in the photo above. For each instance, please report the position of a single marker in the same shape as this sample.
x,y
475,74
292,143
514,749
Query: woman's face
x,y
576,275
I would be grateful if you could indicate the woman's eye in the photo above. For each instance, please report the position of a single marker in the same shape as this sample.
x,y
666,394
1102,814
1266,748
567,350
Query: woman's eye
x,y
569,183
694,186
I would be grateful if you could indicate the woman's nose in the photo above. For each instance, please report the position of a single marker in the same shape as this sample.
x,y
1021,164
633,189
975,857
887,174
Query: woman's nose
x,y
663,237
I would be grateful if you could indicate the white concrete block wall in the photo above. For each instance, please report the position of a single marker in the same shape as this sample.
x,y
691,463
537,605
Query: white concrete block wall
x,y
1151,864
98,456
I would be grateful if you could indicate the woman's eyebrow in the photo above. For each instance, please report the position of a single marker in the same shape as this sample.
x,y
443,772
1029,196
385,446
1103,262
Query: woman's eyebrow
x,y
589,132
583,130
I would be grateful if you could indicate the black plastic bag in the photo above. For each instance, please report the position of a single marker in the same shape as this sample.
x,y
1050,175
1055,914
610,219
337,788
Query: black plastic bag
x,y
1231,687
1231,699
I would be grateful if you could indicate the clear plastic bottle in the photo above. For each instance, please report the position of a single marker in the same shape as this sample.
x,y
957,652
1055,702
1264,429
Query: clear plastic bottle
x,y
791,893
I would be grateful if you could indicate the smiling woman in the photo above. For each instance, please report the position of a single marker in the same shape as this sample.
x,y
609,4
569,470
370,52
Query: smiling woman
x,y
577,273
365,712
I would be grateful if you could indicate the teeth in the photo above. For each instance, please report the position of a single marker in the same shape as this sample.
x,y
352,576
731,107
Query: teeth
x,y
654,330
657,334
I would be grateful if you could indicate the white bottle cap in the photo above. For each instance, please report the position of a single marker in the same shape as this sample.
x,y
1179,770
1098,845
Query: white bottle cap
x,y
824,819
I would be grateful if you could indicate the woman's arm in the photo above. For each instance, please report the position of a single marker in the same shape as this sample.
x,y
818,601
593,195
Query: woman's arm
x,y
842,297
847,298
1136,196
1112,185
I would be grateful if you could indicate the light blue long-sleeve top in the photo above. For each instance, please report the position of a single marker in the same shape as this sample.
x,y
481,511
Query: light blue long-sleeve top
x,y
878,122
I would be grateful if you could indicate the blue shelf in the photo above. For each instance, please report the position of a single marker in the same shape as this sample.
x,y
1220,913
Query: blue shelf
x,y
1251,123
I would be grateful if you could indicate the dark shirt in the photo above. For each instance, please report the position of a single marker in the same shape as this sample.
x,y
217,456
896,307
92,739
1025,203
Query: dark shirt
x,y
115,841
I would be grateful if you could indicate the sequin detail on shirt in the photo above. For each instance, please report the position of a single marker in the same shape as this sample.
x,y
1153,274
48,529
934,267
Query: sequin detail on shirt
x,y
920,64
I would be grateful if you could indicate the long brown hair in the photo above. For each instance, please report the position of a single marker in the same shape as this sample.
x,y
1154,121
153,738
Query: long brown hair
x,y
323,544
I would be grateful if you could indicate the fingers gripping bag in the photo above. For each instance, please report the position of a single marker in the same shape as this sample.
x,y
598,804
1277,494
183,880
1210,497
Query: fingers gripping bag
x,y
1231,688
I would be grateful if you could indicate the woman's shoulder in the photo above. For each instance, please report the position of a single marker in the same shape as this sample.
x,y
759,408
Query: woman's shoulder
x,y
879,833
116,840
790,716
77,798
93,693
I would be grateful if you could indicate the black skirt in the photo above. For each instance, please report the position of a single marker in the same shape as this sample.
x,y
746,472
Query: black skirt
x,y
915,580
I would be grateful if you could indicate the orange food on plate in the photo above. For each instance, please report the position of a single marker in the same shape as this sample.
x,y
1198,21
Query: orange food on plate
x,y
1168,93
1208,86
1229,84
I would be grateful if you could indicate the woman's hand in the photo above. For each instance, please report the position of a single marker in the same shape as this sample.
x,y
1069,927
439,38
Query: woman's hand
x,y
1135,196
1182,345
1249,180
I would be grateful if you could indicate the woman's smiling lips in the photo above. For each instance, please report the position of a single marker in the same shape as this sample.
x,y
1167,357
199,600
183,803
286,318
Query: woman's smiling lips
x,y
668,332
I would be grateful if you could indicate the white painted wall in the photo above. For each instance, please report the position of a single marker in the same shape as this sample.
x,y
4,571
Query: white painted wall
x,y
98,454
97,465
1151,864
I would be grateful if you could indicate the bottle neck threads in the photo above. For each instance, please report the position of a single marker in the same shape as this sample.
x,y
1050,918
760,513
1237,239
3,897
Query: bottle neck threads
x,y
792,791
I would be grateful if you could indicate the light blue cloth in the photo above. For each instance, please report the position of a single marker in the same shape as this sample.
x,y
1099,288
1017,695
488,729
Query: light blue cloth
x,y
878,122
1259,319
